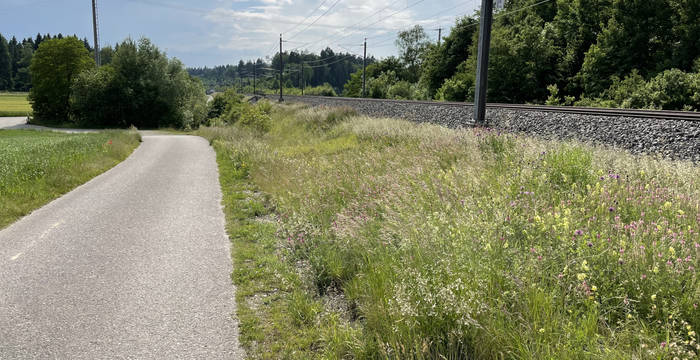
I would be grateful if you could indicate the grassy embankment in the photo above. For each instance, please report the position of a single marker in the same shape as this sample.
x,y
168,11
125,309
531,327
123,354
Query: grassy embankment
x,y
39,166
14,104
365,238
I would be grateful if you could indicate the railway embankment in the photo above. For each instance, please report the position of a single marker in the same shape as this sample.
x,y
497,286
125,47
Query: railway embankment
x,y
672,135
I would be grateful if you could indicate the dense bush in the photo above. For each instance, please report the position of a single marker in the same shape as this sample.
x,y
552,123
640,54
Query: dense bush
x,y
321,90
234,110
141,87
671,89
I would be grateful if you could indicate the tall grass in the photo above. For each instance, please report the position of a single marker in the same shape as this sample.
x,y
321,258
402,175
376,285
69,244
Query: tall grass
x,y
416,241
39,166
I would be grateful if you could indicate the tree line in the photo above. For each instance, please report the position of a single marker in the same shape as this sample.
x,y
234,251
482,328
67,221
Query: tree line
x,y
620,53
327,67
16,56
139,85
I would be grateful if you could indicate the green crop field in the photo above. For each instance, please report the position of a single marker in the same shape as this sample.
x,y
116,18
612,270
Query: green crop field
x,y
360,238
14,104
39,166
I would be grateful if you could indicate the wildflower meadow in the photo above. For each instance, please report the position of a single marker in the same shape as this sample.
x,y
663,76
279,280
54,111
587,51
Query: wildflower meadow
x,y
381,238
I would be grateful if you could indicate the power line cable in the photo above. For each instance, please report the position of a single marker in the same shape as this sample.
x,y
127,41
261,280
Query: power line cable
x,y
307,17
500,14
317,19
426,19
365,27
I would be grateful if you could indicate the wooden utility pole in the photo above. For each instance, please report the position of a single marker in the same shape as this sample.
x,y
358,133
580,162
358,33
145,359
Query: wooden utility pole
x,y
439,36
364,69
281,69
255,76
303,80
94,31
482,66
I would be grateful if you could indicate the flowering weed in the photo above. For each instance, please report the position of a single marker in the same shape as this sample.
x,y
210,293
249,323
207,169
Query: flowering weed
x,y
425,242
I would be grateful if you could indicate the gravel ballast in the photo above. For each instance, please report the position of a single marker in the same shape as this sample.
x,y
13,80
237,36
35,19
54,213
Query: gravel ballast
x,y
675,139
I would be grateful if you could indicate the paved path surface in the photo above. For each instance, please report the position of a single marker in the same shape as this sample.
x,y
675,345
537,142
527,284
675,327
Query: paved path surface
x,y
20,123
12,122
135,264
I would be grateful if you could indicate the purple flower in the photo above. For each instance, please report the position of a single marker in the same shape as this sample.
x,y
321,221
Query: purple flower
x,y
578,232
611,209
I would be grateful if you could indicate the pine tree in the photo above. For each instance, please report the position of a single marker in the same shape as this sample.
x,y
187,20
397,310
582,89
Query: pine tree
x,y
5,66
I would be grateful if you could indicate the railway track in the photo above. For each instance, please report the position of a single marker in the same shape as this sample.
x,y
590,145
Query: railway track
x,y
632,113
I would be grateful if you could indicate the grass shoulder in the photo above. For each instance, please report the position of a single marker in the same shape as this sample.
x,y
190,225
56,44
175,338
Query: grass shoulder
x,y
267,285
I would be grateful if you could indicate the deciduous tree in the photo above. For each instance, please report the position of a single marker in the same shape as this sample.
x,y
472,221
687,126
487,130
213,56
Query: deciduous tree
x,y
54,66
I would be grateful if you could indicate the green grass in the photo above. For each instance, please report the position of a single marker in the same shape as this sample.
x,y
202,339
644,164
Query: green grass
x,y
14,104
39,166
377,238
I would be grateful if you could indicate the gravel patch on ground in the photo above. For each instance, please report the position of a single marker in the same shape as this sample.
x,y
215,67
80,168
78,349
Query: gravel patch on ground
x,y
673,139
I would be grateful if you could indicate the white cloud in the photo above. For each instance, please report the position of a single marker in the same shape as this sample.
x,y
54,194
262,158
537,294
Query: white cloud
x,y
253,27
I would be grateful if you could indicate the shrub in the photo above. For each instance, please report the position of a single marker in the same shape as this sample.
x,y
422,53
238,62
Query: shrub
x,y
216,107
401,90
670,90
378,88
141,87
322,90
454,90
94,99
265,106
254,118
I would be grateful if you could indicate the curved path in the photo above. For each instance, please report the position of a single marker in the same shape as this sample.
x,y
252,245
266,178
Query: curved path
x,y
134,264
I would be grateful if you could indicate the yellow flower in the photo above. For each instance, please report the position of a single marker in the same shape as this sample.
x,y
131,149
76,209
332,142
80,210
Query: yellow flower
x,y
594,288
672,251
542,331
584,265
629,316
581,276
656,270
653,297
667,205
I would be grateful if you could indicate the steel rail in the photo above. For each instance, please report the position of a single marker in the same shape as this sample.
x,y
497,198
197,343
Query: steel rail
x,y
613,112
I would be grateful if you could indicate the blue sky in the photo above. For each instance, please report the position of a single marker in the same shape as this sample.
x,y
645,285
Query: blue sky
x,y
215,32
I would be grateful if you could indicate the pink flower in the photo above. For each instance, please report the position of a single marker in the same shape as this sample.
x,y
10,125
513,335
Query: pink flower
x,y
644,276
